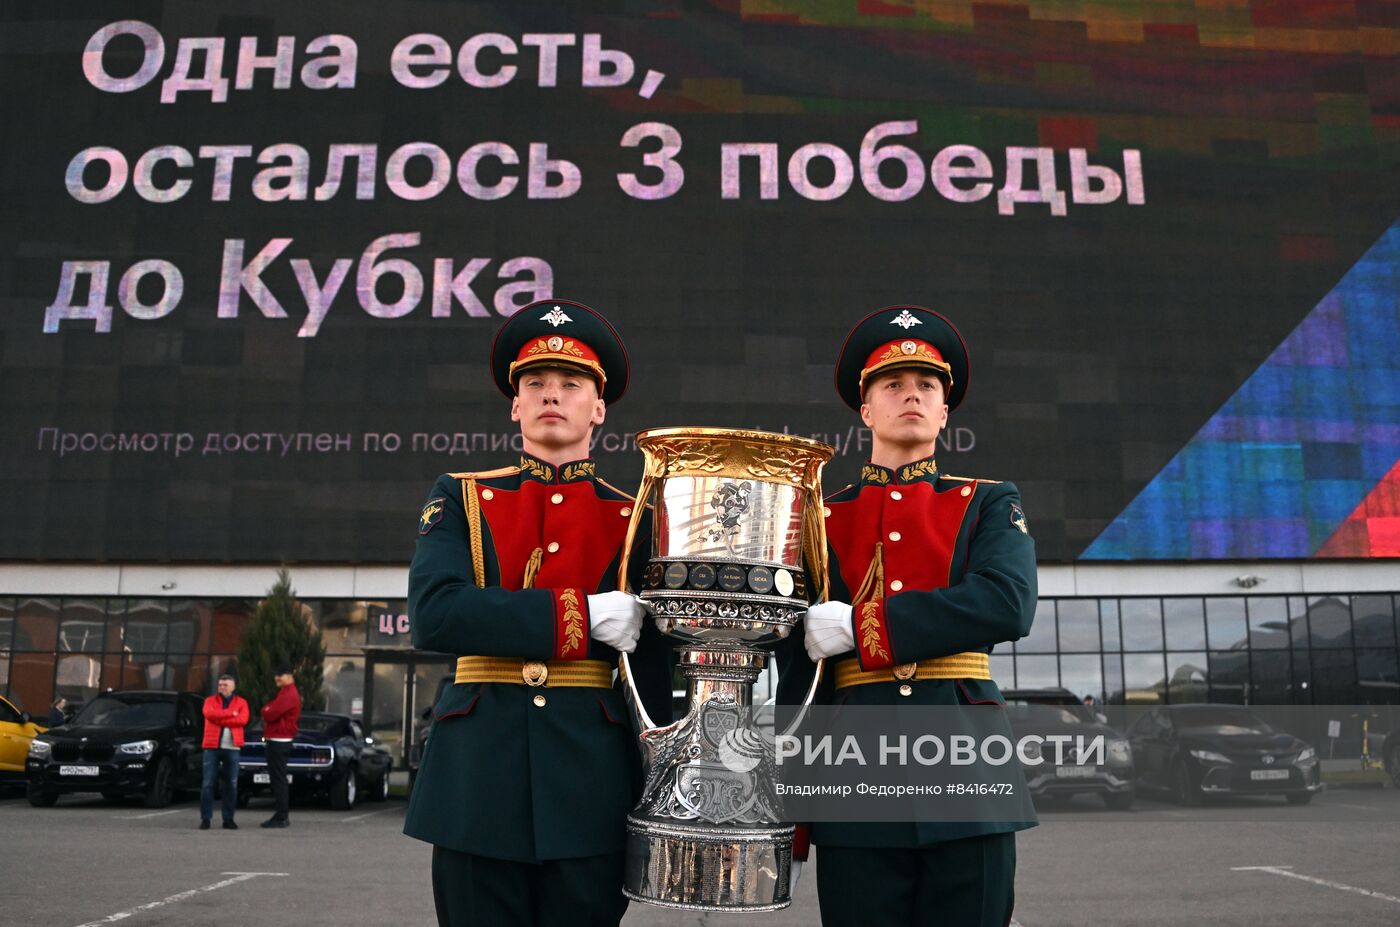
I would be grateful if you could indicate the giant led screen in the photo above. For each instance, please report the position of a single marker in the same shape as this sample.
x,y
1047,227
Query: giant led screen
x,y
254,255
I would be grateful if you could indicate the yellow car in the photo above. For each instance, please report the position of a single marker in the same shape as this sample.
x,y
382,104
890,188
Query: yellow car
x,y
16,731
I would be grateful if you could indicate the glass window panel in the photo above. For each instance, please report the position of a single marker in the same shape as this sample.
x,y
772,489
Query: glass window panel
x,y
4,670
1187,678
345,685
1082,674
1374,620
145,631
1037,673
219,664
1004,671
1108,624
36,625
1301,691
1142,623
1079,625
1144,677
31,681
1229,675
112,670
1185,622
145,671
1113,678
191,628
1042,636
231,616
191,674
82,626
1270,677
79,677
1329,622
1225,623
1334,677
343,624
116,622
1268,622
1298,621
1377,677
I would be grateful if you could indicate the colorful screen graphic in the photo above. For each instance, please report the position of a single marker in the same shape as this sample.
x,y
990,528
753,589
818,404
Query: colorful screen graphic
x,y
254,255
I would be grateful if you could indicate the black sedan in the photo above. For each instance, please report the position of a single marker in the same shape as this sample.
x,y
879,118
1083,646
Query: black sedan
x,y
331,757
1043,719
121,744
1192,751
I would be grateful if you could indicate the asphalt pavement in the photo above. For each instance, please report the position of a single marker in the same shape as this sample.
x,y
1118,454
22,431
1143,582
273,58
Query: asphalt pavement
x,y
88,862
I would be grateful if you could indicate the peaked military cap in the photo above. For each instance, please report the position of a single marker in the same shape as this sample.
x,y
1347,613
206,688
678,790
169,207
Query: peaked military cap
x,y
897,337
560,333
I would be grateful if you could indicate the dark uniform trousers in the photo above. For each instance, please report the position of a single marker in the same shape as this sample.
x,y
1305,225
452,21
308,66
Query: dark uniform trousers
x,y
967,883
935,566
479,890
524,790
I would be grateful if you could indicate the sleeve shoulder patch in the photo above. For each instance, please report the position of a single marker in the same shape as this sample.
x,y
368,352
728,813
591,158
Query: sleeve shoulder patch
x,y
1018,519
431,514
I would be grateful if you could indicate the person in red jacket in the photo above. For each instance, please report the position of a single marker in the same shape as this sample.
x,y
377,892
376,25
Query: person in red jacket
x,y
280,718
225,717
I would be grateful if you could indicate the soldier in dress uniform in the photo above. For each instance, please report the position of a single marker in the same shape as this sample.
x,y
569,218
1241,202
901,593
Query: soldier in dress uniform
x,y
532,764
928,573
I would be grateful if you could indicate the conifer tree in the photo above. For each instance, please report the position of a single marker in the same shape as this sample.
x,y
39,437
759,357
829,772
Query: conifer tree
x,y
280,632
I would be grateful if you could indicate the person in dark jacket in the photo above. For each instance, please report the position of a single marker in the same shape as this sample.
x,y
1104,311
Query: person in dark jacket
x,y
280,718
225,717
56,715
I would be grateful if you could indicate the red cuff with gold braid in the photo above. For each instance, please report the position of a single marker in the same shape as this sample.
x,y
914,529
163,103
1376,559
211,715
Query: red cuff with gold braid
x,y
873,646
571,624
801,843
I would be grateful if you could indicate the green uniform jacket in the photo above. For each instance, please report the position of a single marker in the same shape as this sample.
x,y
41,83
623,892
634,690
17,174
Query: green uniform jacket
x,y
956,570
501,776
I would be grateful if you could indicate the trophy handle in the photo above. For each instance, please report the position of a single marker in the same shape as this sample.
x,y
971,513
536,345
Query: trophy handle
x,y
629,689
814,540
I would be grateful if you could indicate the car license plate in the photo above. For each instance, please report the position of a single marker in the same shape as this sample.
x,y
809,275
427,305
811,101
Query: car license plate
x,y
1075,772
77,770
261,778
1258,774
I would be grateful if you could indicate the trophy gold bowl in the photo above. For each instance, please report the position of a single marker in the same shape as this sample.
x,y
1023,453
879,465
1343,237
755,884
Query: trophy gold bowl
x,y
739,550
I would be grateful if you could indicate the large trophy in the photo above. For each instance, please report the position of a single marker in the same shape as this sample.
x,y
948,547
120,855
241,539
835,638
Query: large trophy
x,y
738,526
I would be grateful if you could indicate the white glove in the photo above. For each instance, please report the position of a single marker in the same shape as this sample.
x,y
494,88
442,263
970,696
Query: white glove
x,y
794,873
617,619
829,630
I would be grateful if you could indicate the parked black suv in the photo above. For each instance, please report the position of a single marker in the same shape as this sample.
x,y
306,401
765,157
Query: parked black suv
x,y
1051,713
121,744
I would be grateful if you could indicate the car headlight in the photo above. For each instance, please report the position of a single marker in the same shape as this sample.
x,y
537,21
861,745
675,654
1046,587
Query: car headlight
x,y
138,748
1120,752
1210,756
1307,756
40,749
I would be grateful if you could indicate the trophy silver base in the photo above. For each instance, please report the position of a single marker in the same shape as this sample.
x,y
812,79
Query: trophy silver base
x,y
698,868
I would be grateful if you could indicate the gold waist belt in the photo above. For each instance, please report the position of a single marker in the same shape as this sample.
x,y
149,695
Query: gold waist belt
x,y
591,673
972,665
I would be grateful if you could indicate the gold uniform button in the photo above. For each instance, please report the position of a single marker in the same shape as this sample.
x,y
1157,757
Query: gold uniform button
x,y
826,511
895,535
487,494
896,495
553,547
539,700
967,490
625,511
896,585
557,498
905,689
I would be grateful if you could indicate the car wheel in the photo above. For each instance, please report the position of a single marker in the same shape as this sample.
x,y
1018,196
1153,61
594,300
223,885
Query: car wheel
x,y
40,798
1183,789
343,791
1392,765
380,789
1299,798
1121,801
162,788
